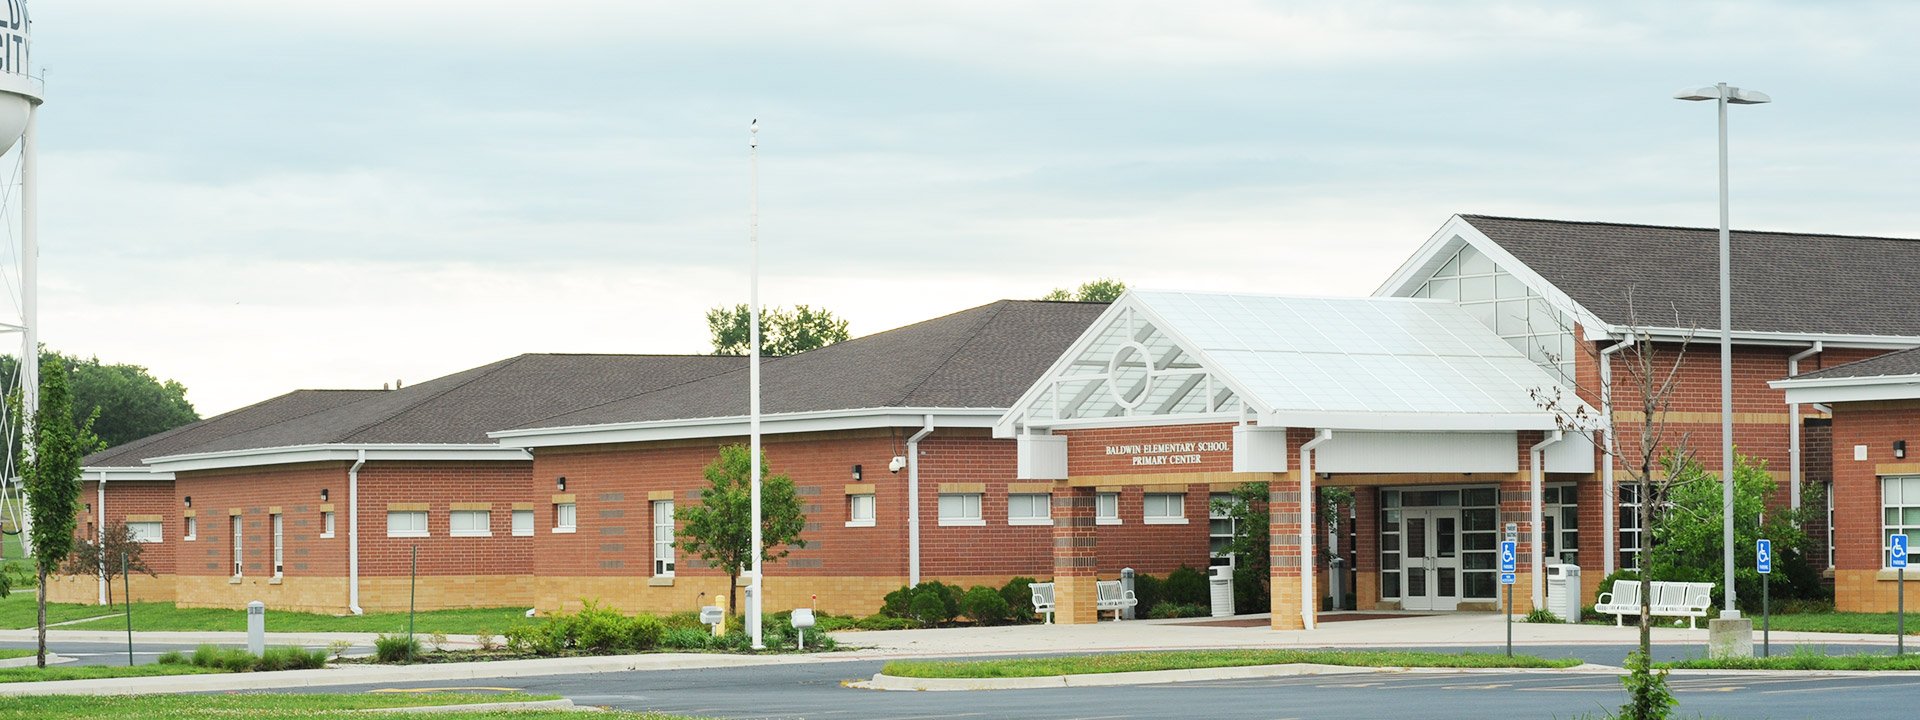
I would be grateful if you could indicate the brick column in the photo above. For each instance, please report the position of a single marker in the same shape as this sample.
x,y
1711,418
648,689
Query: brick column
x,y
1075,555
1516,506
1367,541
1283,537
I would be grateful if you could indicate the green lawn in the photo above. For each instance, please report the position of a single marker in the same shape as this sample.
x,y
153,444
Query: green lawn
x,y
94,672
1180,660
71,707
17,612
1802,660
1837,622
6,653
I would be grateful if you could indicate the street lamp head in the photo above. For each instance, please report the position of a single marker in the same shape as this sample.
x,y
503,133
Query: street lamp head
x,y
1706,93
1734,95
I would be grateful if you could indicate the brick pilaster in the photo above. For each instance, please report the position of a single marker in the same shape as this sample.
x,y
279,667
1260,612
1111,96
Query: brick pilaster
x,y
1283,528
1075,555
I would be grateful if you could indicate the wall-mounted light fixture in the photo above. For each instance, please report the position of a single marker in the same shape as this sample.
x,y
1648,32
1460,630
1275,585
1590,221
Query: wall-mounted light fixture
x,y
323,494
89,507
856,473
189,501
561,483
1899,448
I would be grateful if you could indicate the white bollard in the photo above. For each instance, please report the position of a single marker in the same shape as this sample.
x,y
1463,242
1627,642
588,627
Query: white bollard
x,y
257,628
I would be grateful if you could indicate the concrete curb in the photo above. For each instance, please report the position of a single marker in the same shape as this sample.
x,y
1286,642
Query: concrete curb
x,y
884,681
31,660
561,704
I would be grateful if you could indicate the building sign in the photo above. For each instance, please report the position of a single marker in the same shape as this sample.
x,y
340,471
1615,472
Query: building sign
x,y
1173,453
13,39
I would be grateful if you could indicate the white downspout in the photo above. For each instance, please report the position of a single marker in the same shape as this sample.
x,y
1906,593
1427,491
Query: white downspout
x,y
913,501
1609,493
353,533
1538,552
100,535
1307,594
1793,425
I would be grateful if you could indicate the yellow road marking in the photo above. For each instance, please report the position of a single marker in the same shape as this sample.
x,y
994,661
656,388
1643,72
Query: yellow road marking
x,y
441,689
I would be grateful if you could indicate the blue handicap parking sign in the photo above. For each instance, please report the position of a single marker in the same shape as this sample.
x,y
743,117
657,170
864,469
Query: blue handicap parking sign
x,y
1506,578
1764,558
1507,559
1897,555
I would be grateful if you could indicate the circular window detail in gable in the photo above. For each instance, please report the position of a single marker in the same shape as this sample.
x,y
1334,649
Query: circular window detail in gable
x,y
1128,375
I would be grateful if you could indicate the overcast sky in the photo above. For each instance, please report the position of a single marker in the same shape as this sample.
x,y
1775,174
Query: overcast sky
x,y
252,197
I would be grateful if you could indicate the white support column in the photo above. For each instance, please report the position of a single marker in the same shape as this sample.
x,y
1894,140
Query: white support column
x,y
29,306
100,527
1537,554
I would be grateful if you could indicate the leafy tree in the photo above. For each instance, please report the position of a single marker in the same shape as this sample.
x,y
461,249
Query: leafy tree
x,y
131,402
1687,547
1101,290
51,475
720,528
104,557
782,331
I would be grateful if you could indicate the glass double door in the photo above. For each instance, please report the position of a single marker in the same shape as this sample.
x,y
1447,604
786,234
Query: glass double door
x,y
1431,538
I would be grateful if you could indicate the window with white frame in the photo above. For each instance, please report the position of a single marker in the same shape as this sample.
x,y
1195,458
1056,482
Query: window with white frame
x,y
279,548
1029,509
144,532
406,523
1106,508
860,510
193,528
1164,508
563,517
960,509
522,523
326,524
470,523
1900,510
238,557
1560,513
1631,534
1220,526
663,537
1507,306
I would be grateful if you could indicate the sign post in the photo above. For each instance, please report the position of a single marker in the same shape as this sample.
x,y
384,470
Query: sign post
x,y
1897,558
1763,558
1507,563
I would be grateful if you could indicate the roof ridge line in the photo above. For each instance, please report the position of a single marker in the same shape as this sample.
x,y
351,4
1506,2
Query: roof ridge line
x,y
510,362
1686,227
1000,306
623,398
171,432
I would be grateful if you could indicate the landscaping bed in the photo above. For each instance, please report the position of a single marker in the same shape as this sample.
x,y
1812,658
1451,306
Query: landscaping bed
x,y
1189,659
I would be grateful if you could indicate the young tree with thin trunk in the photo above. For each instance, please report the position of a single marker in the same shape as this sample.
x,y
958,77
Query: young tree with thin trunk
x,y
720,528
50,470
116,551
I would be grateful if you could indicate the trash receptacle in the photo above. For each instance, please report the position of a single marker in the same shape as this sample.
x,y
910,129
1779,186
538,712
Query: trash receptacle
x,y
1221,581
1126,590
1563,592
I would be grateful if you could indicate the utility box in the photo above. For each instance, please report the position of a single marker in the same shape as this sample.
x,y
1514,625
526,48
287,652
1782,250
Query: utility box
x,y
257,628
1126,589
1221,582
1563,592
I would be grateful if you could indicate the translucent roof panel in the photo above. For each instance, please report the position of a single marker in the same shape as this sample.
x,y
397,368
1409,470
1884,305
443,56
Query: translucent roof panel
x,y
1347,357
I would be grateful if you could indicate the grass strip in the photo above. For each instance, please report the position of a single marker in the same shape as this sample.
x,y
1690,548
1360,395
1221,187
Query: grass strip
x,y
6,653
272,706
1187,659
1800,660
17,611
95,672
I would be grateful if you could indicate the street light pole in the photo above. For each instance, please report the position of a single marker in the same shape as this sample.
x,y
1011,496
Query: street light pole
x,y
1724,94
754,587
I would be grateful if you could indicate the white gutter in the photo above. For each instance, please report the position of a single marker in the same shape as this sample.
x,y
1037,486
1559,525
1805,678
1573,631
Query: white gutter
x,y
100,536
1308,601
1609,493
1538,555
353,533
737,425
254,457
913,501
1793,426
1754,337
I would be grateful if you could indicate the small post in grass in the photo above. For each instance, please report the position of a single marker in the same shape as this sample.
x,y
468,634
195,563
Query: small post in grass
x,y
126,587
1763,559
413,581
1897,557
1507,562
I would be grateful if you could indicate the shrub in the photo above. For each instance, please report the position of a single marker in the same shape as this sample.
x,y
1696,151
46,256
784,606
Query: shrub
x,y
644,632
1544,616
523,638
338,648
898,604
985,606
882,622
485,637
1176,610
686,639
1250,593
172,657
1018,593
928,608
1148,590
206,656
1184,586
598,630
395,648
237,660
437,640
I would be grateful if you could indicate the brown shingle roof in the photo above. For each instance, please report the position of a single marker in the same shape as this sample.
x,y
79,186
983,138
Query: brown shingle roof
x,y
1782,282
288,407
1905,362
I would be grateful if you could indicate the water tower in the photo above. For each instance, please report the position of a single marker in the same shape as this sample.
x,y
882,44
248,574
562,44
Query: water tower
x,y
20,97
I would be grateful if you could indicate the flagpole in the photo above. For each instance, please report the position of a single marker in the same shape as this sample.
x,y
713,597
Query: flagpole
x,y
754,597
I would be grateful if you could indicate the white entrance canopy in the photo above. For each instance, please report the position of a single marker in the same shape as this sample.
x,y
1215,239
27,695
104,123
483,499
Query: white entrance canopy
x,y
1389,364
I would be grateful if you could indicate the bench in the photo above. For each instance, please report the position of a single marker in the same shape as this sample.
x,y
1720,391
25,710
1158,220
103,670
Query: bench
x,y
1109,596
1043,599
1669,599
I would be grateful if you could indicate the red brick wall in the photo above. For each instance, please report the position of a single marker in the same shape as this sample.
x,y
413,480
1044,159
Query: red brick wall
x,y
1857,513
499,484
1155,549
135,498
1087,449
295,488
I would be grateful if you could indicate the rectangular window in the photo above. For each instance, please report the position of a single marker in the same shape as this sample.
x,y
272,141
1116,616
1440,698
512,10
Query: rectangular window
x,y
279,548
1165,509
406,523
522,523
563,517
237,531
326,524
1900,510
1029,509
663,537
1630,533
1560,525
1220,525
193,528
960,509
145,532
859,511
470,523
1106,508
